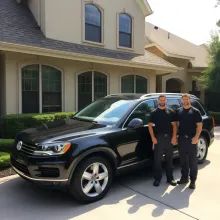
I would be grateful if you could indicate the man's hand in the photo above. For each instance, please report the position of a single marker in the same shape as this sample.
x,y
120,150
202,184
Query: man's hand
x,y
154,140
174,140
195,140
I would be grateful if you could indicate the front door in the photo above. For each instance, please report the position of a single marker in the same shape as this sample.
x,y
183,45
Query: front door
x,y
136,145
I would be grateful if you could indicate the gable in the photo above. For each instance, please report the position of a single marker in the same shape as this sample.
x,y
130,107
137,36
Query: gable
x,y
145,7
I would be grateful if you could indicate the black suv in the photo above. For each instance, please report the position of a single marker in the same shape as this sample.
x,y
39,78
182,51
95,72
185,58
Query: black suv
x,y
86,151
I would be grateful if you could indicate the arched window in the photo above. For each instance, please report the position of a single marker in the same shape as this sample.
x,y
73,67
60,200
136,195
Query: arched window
x,y
92,85
41,89
93,23
125,30
133,84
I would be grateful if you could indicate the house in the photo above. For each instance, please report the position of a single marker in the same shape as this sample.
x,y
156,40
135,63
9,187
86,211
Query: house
x,y
62,55
190,57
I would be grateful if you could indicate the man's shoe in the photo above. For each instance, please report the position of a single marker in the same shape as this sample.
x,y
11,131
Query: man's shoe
x,y
172,182
192,185
156,183
183,181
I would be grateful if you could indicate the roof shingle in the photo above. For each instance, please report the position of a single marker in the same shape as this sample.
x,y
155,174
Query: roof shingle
x,y
17,25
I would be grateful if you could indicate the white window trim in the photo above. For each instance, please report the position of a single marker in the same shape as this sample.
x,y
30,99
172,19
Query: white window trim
x,y
131,74
132,33
83,23
40,85
89,70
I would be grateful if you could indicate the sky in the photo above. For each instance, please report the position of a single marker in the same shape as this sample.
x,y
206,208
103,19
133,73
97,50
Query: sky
x,y
192,20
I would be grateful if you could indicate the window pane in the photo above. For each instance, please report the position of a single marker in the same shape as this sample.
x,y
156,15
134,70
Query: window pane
x,y
51,89
173,103
125,23
92,23
92,33
124,40
127,84
84,89
196,105
142,112
30,89
141,84
92,15
100,85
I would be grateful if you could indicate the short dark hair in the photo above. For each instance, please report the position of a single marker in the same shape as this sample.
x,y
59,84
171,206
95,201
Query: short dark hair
x,y
186,95
162,96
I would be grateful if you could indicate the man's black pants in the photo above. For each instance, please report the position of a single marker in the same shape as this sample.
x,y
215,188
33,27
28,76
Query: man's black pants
x,y
188,158
163,144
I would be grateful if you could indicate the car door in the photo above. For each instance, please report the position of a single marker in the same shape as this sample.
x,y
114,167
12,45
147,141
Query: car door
x,y
136,145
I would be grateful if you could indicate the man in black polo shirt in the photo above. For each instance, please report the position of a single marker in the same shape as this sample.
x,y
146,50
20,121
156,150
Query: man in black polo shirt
x,y
190,127
163,137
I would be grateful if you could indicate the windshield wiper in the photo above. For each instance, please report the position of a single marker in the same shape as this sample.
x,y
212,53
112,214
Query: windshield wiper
x,y
86,120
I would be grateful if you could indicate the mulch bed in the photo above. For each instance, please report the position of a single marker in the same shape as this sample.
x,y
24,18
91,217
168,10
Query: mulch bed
x,y
7,172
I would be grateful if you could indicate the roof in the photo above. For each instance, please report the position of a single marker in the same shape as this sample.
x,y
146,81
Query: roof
x,y
18,26
175,46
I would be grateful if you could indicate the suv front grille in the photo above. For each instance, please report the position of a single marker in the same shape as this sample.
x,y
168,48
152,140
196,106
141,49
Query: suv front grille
x,y
20,167
27,148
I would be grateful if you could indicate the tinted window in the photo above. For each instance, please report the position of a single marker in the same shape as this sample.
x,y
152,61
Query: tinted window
x,y
142,112
173,103
196,105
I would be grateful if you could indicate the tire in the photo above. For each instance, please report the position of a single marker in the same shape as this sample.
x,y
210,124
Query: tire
x,y
202,149
78,182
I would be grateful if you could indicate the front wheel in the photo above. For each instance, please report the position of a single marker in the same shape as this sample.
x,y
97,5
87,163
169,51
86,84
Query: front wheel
x,y
202,149
92,180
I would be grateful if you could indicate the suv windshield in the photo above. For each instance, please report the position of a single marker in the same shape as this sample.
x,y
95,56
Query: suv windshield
x,y
107,111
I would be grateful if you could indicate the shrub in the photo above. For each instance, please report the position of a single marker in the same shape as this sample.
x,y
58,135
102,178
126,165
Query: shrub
x,y
4,160
216,116
6,145
10,125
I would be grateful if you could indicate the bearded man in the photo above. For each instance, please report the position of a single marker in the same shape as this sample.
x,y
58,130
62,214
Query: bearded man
x,y
164,136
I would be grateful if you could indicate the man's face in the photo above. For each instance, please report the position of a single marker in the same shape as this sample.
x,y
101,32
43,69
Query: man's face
x,y
186,101
162,101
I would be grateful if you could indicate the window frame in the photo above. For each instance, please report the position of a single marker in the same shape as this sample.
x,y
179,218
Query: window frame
x,y
125,121
21,66
84,22
135,75
132,32
200,107
93,93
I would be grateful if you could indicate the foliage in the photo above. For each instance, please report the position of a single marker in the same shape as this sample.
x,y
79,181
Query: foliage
x,y
210,78
4,160
6,145
10,125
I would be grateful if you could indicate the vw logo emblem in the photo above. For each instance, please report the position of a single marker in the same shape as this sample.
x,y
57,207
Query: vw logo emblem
x,y
19,145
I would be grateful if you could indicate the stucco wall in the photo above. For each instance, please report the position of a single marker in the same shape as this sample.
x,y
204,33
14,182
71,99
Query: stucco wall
x,y
34,6
14,61
64,21
2,84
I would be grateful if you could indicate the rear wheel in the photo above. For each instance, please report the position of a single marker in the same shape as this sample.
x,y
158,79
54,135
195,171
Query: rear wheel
x,y
202,149
92,180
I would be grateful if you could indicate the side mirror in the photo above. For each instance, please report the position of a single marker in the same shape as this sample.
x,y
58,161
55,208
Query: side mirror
x,y
134,124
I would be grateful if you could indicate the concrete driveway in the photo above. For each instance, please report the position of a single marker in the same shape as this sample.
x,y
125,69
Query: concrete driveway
x,y
131,197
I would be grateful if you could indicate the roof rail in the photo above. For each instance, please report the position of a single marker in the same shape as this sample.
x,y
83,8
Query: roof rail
x,y
155,94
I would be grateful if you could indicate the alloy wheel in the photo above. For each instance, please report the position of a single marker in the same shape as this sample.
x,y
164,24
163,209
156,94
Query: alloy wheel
x,y
94,179
202,148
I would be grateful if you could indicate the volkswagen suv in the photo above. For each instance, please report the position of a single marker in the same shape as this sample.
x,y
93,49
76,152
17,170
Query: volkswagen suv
x,y
85,152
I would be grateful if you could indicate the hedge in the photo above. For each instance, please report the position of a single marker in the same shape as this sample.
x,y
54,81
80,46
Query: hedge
x,y
4,160
216,116
6,145
10,125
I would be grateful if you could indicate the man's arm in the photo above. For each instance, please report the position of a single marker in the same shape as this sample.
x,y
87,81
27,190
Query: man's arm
x,y
150,128
174,138
198,130
198,119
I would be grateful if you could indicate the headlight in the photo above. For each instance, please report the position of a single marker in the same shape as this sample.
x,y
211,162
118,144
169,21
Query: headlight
x,y
53,148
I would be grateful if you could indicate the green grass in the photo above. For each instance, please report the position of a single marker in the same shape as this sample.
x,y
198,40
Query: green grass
x,y
4,160
6,145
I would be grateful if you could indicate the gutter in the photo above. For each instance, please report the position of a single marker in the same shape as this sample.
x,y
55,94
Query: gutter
x,y
81,57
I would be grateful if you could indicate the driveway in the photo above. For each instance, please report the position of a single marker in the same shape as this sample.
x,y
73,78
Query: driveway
x,y
131,197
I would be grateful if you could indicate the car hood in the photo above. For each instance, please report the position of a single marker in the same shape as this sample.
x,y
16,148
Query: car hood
x,y
61,130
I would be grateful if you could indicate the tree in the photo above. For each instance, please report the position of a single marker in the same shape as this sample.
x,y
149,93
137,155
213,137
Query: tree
x,y
210,78
218,4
